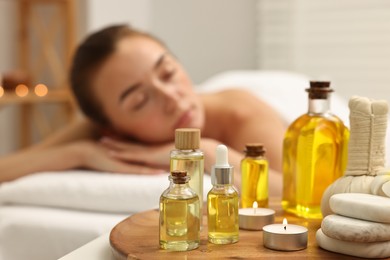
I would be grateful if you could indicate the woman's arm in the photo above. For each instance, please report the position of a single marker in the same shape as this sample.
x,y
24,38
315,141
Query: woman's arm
x,y
31,160
55,153
75,146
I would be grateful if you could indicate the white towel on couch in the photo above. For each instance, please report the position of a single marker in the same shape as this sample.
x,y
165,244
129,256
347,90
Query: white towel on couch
x,y
89,190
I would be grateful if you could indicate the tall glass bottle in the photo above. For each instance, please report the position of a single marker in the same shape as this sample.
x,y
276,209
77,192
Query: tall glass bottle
x,y
179,215
188,157
314,154
254,177
222,202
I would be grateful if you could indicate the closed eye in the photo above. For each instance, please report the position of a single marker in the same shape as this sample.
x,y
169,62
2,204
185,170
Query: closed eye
x,y
140,101
129,91
168,75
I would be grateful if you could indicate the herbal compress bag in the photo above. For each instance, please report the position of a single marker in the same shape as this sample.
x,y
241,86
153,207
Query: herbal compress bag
x,y
365,171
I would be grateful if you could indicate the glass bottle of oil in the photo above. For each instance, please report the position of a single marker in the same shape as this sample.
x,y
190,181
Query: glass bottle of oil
x,y
179,215
222,202
188,157
314,154
254,176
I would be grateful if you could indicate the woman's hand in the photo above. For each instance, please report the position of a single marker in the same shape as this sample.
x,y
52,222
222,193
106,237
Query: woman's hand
x,y
98,156
134,153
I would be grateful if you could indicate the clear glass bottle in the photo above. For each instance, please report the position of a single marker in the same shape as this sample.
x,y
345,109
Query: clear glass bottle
x,y
254,177
188,157
179,215
314,154
222,202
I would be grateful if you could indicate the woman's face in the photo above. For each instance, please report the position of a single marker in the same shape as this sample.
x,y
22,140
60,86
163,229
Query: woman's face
x,y
145,93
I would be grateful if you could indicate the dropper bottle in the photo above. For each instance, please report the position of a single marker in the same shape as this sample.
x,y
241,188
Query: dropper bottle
x,y
222,201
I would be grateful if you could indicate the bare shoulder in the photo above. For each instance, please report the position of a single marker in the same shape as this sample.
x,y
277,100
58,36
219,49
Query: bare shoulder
x,y
242,102
240,110
245,118
235,93
240,105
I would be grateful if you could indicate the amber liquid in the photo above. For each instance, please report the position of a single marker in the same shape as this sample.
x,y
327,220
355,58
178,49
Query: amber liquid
x,y
179,223
314,156
254,182
191,161
222,211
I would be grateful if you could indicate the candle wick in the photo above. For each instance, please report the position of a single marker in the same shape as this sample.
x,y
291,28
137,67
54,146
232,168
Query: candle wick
x,y
285,227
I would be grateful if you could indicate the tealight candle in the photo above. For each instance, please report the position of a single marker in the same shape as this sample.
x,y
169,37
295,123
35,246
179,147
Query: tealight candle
x,y
285,237
255,218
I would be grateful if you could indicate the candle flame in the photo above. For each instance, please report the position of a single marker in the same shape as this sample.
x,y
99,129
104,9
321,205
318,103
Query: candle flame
x,y
285,223
254,205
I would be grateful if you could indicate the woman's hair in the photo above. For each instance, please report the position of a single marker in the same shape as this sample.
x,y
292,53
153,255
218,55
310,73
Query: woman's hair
x,y
89,56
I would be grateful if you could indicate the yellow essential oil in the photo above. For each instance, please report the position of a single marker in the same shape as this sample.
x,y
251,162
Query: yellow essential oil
x,y
222,202
314,155
179,215
187,157
222,205
254,177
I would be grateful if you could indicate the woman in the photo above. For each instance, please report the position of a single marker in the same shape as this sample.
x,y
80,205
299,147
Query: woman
x,y
135,94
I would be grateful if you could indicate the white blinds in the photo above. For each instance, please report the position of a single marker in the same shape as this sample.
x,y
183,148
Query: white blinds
x,y
346,41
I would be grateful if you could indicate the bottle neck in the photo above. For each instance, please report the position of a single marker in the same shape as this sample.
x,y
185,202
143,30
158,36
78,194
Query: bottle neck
x,y
319,106
254,157
178,185
221,187
187,149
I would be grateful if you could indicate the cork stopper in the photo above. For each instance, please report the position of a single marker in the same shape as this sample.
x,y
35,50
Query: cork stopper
x,y
319,89
179,177
254,149
187,138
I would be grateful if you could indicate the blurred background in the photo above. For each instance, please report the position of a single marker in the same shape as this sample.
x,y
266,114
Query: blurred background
x,y
347,42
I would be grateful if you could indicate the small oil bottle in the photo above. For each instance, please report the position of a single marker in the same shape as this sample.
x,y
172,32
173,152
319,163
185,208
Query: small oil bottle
x,y
314,154
254,177
179,215
188,157
222,201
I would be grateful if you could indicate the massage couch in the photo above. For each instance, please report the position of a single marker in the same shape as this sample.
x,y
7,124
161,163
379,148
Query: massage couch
x,y
47,215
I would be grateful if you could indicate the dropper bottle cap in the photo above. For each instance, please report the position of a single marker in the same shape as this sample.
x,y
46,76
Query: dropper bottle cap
x,y
222,171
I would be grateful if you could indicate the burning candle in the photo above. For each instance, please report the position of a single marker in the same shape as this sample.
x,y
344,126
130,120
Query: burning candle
x,y
255,218
285,237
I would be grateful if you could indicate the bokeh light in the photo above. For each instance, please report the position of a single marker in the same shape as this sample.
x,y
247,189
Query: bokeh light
x,y
21,90
40,90
1,91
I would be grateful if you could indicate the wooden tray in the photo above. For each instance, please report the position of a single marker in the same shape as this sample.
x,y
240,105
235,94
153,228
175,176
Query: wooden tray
x,y
137,237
